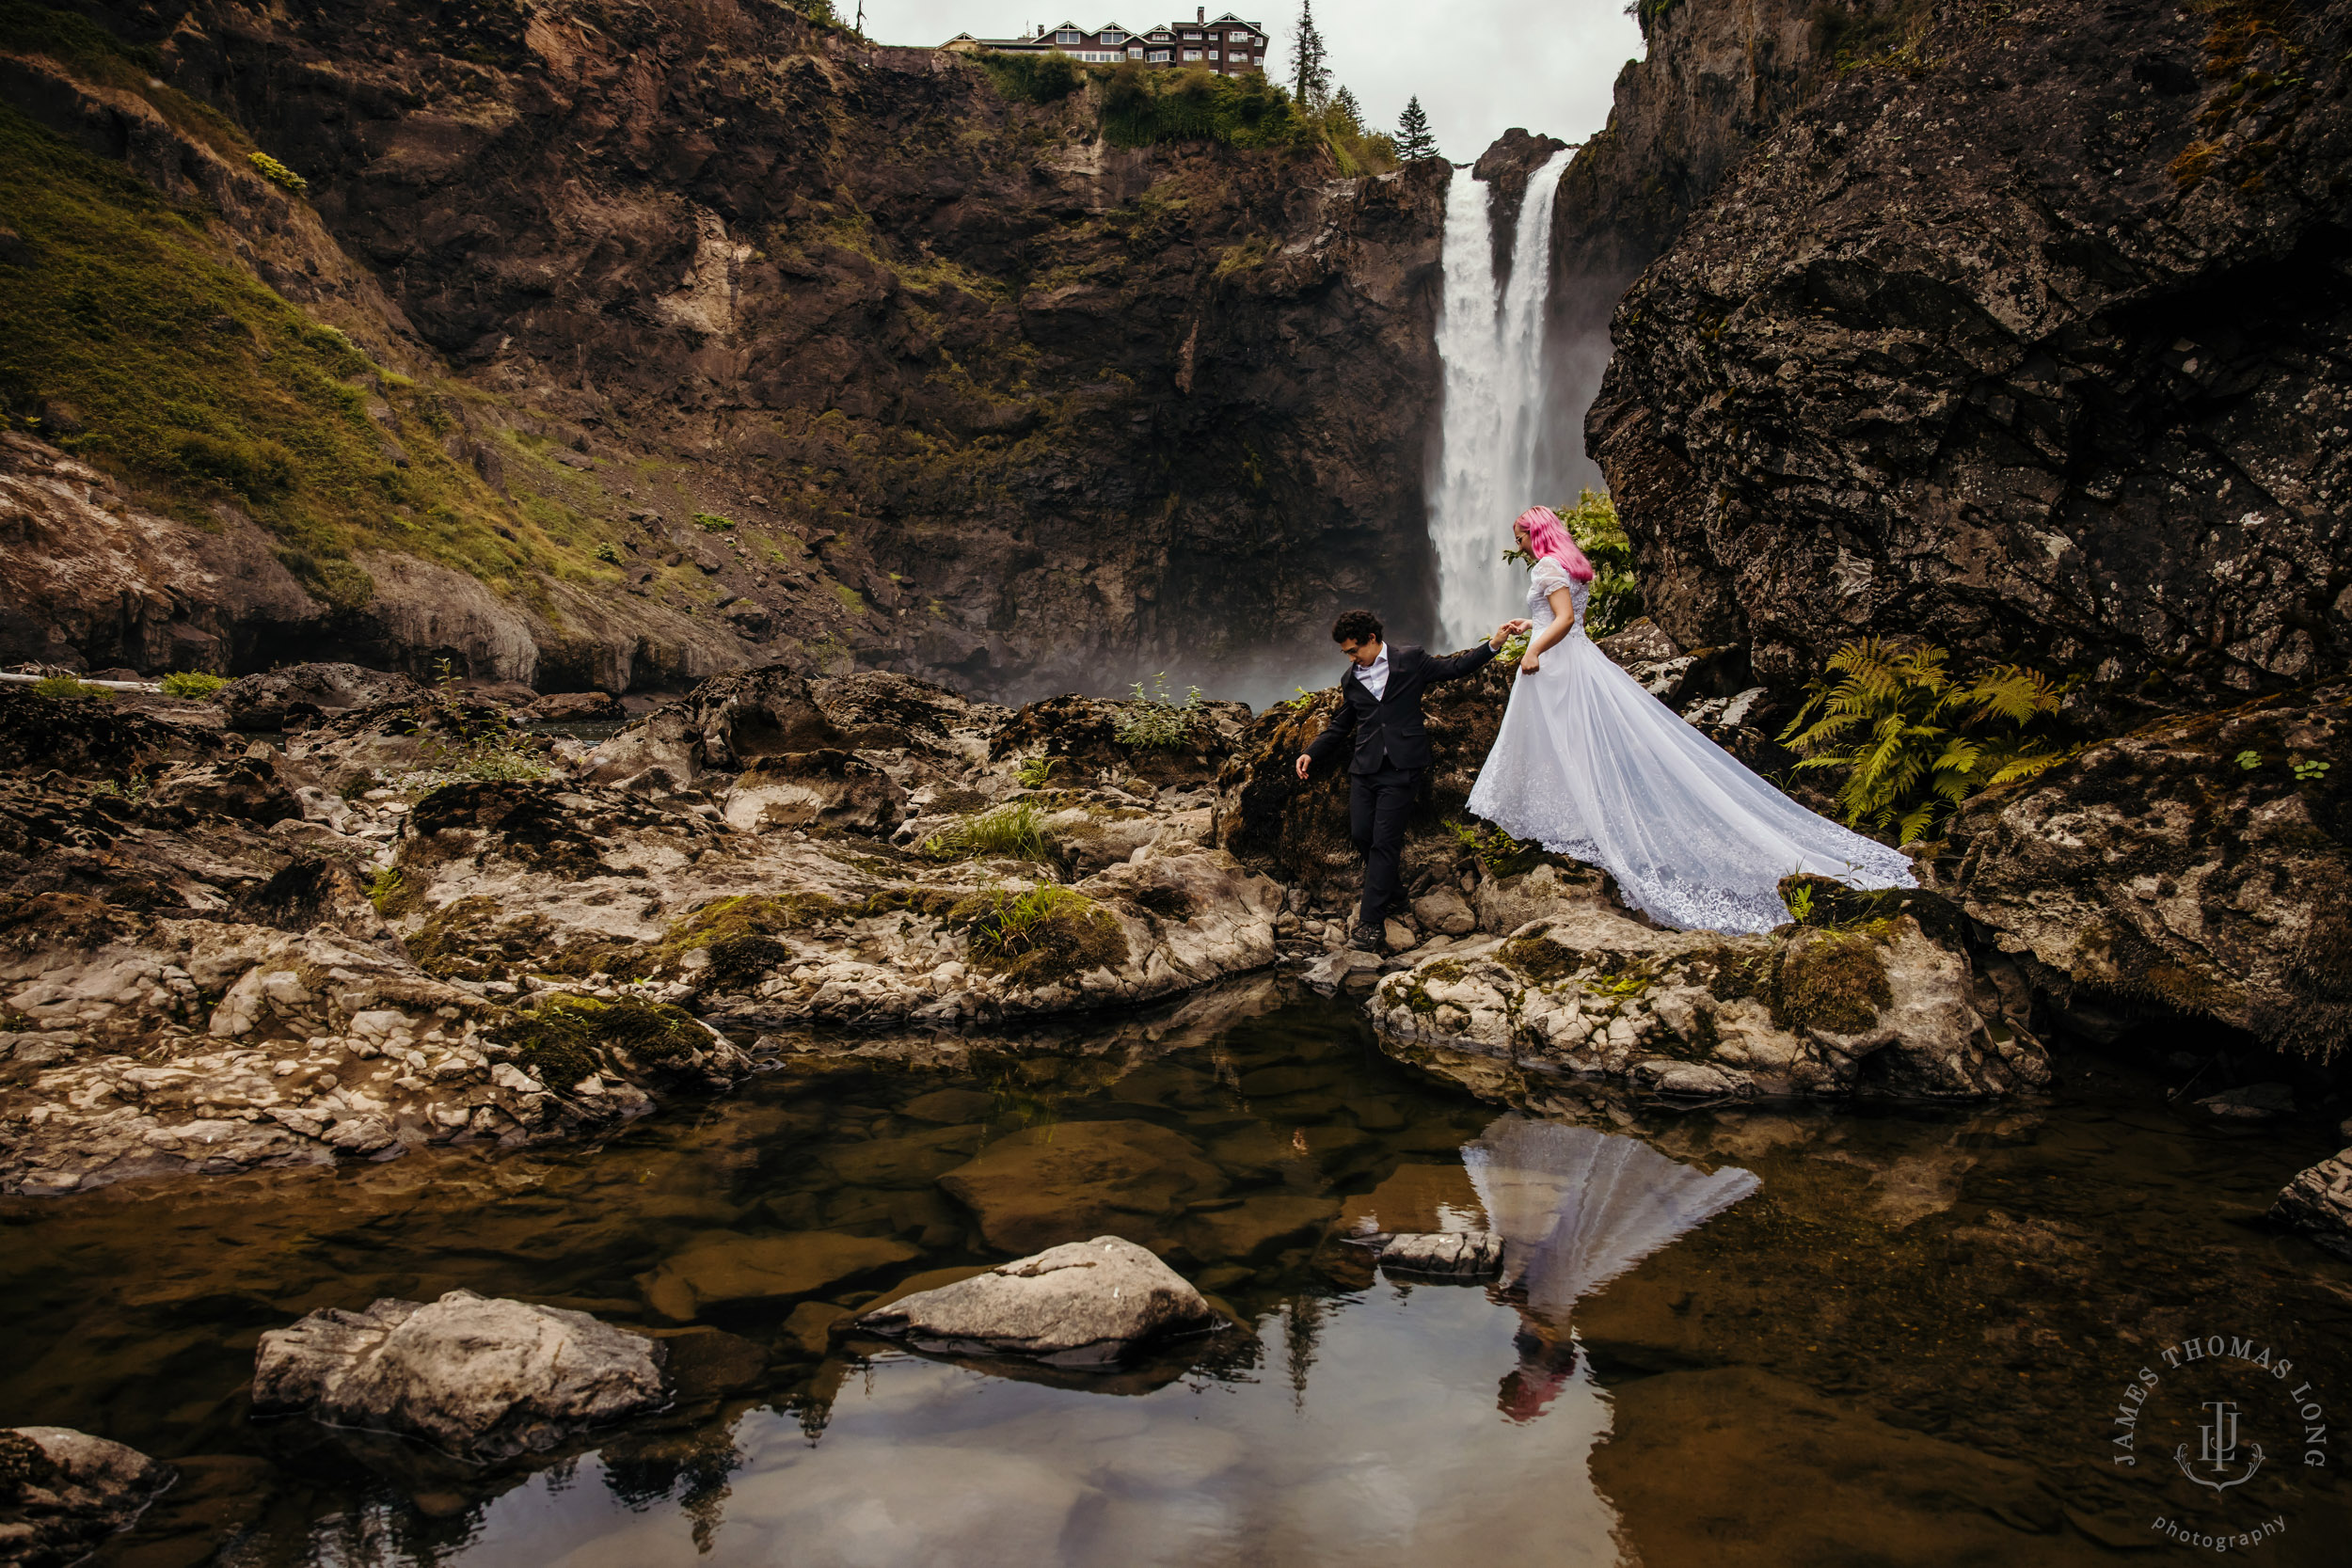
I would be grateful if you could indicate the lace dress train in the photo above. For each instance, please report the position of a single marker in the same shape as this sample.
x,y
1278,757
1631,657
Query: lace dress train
x,y
1591,766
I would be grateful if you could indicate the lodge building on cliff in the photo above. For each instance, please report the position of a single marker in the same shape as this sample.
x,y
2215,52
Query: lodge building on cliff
x,y
1227,46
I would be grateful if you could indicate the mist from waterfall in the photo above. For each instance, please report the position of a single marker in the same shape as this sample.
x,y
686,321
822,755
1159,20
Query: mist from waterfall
x,y
1492,424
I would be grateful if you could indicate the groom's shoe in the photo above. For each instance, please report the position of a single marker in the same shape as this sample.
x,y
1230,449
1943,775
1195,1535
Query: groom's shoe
x,y
1367,939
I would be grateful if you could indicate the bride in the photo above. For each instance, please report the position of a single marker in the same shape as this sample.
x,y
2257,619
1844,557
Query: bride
x,y
1590,764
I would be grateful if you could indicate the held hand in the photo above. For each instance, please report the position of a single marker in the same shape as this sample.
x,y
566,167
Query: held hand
x,y
1507,631
1529,664
1302,766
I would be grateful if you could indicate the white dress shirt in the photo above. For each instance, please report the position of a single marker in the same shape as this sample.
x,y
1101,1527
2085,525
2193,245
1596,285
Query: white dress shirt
x,y
1376,674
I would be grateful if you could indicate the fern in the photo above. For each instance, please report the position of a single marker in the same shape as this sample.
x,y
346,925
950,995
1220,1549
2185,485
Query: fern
x,y
1911,741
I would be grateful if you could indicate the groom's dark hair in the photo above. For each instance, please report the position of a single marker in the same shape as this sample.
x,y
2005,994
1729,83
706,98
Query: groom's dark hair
x,y
1356,625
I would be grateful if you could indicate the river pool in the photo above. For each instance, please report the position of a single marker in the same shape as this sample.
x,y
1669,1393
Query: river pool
x,y
1783,1334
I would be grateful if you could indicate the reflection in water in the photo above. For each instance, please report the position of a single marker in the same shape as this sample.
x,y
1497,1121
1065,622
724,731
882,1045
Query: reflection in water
x,y
1576,1207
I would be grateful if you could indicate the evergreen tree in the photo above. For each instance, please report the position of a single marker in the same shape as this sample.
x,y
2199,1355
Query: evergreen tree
x,y
1413,139
1349,110
1311,84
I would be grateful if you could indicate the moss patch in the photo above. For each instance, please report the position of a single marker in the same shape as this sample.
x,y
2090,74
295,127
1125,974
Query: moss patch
x,y
1833,981
1539,960
1042,936
558,1042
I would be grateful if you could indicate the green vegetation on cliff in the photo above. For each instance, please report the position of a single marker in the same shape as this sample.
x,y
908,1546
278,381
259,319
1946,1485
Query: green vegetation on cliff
x,y
1139,107
130,337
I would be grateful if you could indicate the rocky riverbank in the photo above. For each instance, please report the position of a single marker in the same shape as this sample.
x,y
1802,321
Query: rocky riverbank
x,y
413,920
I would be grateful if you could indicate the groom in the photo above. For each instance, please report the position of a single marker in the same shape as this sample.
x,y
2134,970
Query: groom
x,y
1380,706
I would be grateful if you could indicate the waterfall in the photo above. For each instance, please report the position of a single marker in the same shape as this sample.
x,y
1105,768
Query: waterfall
x,y
1493,354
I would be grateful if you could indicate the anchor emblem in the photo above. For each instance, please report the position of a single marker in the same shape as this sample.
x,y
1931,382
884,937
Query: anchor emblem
x,y
2219,1449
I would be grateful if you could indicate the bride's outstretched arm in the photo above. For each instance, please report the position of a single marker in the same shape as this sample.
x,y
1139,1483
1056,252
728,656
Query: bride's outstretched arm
x,y
1563,619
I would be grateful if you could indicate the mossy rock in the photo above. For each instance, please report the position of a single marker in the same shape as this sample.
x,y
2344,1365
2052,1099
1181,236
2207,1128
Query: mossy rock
x,y
559,1041
1835,907
1539,960
1835,981
1036,946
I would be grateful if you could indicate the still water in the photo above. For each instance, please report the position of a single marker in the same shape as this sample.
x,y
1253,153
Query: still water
x,y
1768,1336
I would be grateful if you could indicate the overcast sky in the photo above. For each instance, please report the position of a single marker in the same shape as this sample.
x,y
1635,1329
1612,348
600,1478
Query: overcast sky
x,y
1480,65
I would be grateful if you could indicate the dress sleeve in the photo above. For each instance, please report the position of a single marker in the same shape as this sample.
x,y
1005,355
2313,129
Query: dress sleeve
x,y
1550,577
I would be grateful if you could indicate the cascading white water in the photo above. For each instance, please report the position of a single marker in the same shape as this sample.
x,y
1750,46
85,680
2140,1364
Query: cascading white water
x,y
1493,355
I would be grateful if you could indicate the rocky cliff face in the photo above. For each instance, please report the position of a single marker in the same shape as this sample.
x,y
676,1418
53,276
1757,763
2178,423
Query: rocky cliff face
x,y
727,336
1716,78
2029,336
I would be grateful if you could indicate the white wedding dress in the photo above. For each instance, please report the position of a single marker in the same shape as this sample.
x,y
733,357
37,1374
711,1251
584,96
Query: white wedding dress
x,y
1591,766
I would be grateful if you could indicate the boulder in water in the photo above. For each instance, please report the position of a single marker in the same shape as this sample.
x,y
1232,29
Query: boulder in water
x,y
1080,1303
2318,1203
1444,1254
63,1491
482,1378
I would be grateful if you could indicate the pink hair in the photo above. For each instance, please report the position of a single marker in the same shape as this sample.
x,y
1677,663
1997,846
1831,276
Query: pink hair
x,y
1548,536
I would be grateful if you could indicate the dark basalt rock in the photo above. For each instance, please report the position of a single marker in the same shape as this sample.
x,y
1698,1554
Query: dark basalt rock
x,y
273,698
2034,349
1083,734
2162,869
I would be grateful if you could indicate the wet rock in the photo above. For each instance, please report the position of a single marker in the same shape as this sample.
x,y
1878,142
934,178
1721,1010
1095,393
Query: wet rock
x,y
2318,1203
1257,1227
253,788
268,701
577,707
1548,891
1042,1186
2197,864
1880,440
62,1493
481,1378
723,725
1083,733
1080,1303
2250,1102
92,739
1444,911
1333,970
725,1269
1886,1008
882,710
826,789
1446,1254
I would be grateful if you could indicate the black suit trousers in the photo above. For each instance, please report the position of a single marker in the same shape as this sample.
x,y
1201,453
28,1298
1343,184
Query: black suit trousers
x,y
1378,804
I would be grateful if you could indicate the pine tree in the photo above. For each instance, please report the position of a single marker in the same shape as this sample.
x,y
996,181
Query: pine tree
x,y
1344,102
1413,139
1311,81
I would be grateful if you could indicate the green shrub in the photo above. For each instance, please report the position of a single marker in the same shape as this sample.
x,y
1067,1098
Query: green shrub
x,y
1141,107
1044,78
712,523
193,684
1016,830
1156,719
606,552
1615,602
66,688
277,174
1911,741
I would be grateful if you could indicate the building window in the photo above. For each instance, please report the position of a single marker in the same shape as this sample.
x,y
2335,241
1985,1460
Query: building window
x,y
1134,51
1065,36
1114,37
1192,53
1192,37
1212,53
1159,57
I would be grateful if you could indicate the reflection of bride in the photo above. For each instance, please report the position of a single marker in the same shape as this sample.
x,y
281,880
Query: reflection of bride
x,y
1576,1207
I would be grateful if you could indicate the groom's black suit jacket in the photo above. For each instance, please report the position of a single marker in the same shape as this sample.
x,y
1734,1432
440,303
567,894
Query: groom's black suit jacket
x,y
1387,728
